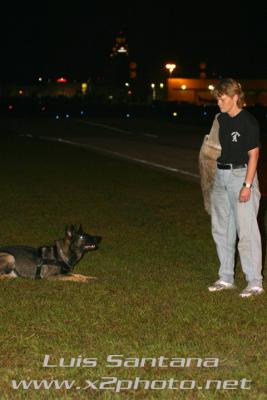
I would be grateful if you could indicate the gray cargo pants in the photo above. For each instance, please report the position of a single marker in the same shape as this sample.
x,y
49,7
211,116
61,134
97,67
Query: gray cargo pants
x,y
231,218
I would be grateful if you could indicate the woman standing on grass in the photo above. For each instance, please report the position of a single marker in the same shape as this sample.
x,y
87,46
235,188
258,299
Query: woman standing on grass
x,y
235,195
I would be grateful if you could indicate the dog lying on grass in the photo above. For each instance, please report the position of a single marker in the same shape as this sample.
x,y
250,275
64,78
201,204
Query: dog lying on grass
x,y
49,262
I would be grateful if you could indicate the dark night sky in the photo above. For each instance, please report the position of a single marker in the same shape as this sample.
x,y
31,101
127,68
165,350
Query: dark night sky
x,y
232,39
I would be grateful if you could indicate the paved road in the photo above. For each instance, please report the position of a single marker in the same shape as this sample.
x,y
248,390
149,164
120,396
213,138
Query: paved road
x,y
159,149
160,144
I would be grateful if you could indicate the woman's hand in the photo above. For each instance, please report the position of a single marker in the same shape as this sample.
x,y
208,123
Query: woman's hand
x,y
244,194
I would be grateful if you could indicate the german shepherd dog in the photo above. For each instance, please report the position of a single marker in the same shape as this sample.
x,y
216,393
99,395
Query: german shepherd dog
x,y
55,261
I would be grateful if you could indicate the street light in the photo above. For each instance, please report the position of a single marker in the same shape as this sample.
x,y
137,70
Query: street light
x,y
170,67
153,87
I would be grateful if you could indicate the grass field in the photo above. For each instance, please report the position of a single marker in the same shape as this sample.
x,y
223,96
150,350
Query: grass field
x,y
150,299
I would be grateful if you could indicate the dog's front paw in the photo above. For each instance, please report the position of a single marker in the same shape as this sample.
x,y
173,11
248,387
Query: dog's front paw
x,y
73,278
81,278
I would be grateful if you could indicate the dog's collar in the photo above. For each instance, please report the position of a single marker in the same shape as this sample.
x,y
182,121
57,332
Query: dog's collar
x,y
62,255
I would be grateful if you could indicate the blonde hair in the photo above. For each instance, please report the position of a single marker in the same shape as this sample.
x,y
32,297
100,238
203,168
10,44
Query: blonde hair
x,y
230,87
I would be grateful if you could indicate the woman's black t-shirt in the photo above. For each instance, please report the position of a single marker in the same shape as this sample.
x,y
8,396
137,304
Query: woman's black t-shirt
x,y
237,136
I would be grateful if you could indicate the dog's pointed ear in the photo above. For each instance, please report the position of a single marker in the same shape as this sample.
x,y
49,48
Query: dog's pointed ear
x,y
69,230
80,230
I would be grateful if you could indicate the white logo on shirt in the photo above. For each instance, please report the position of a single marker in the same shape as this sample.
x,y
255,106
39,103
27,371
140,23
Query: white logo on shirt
x,y
235,136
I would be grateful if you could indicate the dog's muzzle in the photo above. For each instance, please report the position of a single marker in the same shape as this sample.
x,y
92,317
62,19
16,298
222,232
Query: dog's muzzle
x,y
89,246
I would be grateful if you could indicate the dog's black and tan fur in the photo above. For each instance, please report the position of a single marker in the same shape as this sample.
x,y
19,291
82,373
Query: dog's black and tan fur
x,y
55,261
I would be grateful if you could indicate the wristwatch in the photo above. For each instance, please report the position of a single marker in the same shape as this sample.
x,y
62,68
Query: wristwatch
x,y
247,185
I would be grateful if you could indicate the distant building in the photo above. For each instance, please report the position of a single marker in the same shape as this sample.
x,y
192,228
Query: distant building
x,y
122,72
120,47
49,89
199,91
